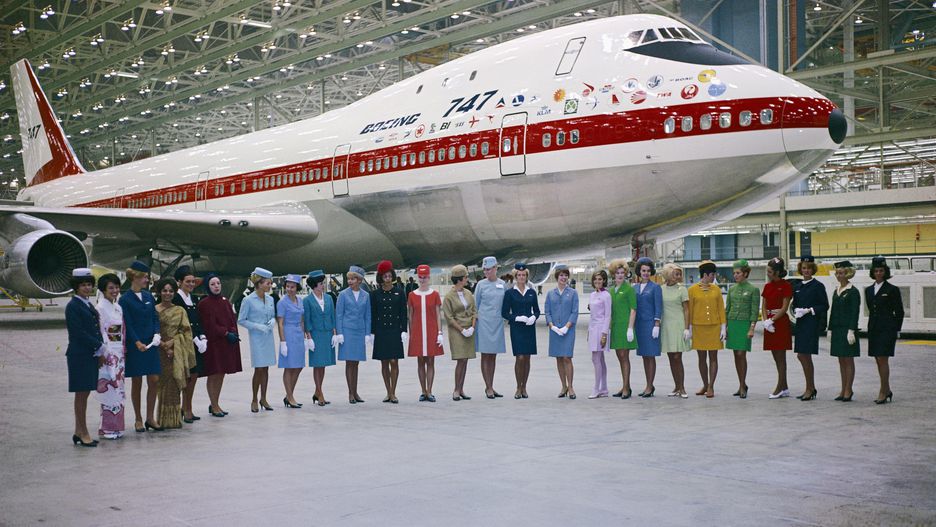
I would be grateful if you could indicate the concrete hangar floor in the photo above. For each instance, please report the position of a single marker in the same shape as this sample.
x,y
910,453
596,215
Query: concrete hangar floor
x,y
538,461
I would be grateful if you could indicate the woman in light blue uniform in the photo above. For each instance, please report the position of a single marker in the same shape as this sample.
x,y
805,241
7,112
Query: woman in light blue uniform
x,y
562,305
258,315
292,338
489,337
353,324
647,322
319,320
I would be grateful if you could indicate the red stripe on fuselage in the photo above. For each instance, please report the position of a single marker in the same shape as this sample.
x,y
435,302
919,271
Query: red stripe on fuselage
x,y
594,130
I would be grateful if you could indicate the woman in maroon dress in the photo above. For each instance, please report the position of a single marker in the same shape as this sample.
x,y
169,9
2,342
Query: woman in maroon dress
x,y
223,354
778,338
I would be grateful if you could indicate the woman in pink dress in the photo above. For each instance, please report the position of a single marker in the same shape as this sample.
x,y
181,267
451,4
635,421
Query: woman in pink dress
x,y
110,387
425,330
599,325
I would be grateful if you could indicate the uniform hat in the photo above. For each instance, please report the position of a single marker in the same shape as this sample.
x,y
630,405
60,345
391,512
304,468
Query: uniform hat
x,y
423,270
262,273
707,266
82,272
181,272
808,258
488,262
315,278
384,266
646,261
459,271
878,261
317,273
140,267
520,266
843,263
354,269
739,264
294,278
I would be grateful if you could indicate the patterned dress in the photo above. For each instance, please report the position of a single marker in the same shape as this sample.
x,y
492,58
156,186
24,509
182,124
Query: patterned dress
x,y
110,388
176,336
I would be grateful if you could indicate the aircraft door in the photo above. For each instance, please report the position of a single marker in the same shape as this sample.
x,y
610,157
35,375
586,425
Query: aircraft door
x,y
339,174
118,200
201,191
512,145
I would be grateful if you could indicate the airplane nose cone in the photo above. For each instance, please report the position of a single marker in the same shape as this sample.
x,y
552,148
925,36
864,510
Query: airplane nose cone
x,y
838,126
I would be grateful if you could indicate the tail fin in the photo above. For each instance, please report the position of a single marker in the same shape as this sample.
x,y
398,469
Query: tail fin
x,y
46,152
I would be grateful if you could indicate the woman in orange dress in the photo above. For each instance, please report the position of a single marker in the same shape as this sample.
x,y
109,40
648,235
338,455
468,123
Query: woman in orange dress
x,y
425,330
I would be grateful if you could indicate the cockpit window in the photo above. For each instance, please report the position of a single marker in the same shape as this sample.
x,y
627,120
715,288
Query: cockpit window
x,y
649,36
665,33
632,39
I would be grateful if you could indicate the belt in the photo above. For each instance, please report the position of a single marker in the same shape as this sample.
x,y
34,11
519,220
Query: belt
x,y
774,311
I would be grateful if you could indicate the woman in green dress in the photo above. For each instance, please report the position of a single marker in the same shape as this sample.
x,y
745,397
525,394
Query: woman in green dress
x,y
741,311
674,330
623,302
843,323
176,354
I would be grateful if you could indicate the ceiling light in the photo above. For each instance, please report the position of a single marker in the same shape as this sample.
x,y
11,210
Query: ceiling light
x,y
576,14
818,7
455,15
19,28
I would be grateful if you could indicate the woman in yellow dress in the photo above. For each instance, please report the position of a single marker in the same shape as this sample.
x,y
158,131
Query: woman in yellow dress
x,y
176,354
707,329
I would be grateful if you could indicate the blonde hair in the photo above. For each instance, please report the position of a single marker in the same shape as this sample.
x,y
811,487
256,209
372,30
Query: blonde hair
x,y
256,279
619,263
515,272
849,272
133,274
811,265
668,270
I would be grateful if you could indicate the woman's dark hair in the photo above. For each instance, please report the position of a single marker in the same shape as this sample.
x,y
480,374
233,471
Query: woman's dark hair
x,y
104,280
778,267
393,279
456,279
887,273
162,283
314,281
602,274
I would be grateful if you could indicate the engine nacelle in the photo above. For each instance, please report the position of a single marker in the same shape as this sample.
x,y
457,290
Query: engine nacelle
x,y
39,264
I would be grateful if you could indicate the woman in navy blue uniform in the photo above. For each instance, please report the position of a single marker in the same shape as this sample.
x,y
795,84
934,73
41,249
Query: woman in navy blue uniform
x,y
885,319
647,323
85,351
521,309
142,326
185,299
810,306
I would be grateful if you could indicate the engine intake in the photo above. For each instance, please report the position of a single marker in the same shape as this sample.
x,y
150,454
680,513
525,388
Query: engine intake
x,y
39,264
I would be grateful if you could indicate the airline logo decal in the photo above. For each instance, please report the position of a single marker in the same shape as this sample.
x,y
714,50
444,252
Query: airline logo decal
x,y
544,110
639,97
473,121
680,79
630,85
500,103
716,88
606,88
706,75
689,91
614,99
654,82
420,130
588,89
391,123
517,100
571,106
664,95
559,95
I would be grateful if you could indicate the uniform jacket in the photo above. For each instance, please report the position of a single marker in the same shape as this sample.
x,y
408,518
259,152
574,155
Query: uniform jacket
x,y
885,309
84,328
706,306
140,318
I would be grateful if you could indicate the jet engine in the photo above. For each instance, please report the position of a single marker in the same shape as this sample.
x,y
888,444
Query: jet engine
x,y
38,259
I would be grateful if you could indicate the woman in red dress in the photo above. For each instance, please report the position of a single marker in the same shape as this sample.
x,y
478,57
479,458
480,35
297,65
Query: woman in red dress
x,y
223,354
425,330
778,338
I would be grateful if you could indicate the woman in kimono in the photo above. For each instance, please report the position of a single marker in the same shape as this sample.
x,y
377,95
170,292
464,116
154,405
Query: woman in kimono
x,y
187,301
741,312
623,317
521,309
319,315
810,306
461,316
489,339
885,319
561,309
647,322
425,330
294,340
110,387
843,324
258,315
707,319
599,328
674,328
223,354
778,338
353,325
141,324
85,353
176,354
388,321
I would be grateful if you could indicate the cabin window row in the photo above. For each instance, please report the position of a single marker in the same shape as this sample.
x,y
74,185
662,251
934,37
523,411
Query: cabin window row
x,y
158,200
305,176
431,156
745,118
573,138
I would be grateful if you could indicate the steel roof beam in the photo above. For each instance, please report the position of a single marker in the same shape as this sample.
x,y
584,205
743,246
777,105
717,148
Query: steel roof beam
x,y
874,62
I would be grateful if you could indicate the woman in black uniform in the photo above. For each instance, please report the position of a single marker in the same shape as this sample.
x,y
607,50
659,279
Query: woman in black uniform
x,y
184,298
85,352
885,319
388,322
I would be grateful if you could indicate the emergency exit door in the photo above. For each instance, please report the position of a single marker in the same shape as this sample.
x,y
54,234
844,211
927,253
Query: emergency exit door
x,y
512,145
201,191
339,175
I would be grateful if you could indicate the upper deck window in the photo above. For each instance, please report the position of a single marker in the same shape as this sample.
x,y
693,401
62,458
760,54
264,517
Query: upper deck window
x,y
570,56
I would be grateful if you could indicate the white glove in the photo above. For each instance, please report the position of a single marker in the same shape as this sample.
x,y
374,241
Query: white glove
x,y
404,337
656,332
851,336
723,334
201,343
530,321
563,330
800,312
270,325
769,325
369,340
283,349
310,344
340,340
466,332
687,335
630,334
157,340
470,331
556,330
439,339
334,341
522,319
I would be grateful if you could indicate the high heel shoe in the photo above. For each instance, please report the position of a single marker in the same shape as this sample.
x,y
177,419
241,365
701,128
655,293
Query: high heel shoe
x,y
464,397
266,406
839,398
627,395
810,397
154,428
78,441
847,399
323,402
649,394
215,414
888,398
254,408
563,393
288,404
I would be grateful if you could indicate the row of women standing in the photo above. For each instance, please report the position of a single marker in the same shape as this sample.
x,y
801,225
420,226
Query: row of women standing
x,y
671,318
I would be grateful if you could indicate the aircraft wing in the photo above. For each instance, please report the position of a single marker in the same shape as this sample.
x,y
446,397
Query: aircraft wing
x,y
221,231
